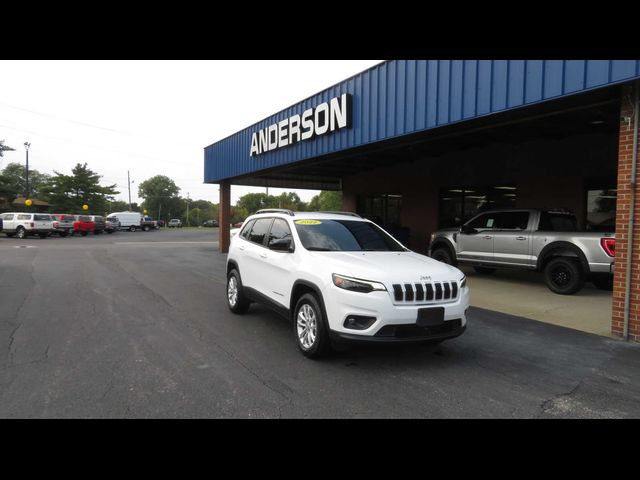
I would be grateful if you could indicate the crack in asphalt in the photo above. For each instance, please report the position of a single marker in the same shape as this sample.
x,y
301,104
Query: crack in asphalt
x,y
10,349
548,404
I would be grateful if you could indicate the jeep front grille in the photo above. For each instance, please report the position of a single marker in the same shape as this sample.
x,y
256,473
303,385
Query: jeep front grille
x,y
425,292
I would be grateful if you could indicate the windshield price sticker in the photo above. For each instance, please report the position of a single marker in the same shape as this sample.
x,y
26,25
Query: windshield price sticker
x,y
308,222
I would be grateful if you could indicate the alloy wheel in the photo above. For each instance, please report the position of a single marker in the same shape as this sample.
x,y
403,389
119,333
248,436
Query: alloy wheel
x,y
307,326
232,291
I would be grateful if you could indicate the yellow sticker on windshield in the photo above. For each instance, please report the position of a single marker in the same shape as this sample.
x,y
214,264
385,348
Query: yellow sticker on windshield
x,y
308,222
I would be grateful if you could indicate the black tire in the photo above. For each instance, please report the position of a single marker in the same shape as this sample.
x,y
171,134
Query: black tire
x,y
84,234
96,232
308,318
43,235
564,276
442,255
63,234
145,228
21,233
238,304
109,232
603,282
132,228
484,270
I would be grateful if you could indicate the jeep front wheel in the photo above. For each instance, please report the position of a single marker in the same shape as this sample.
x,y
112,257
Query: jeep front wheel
x,y
309,327
21,233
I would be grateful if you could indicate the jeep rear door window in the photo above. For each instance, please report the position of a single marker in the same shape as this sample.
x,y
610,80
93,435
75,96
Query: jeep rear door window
x,y
259,230
24,217
344,236
42,218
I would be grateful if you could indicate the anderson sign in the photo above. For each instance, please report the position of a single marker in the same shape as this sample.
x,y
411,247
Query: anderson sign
x,y
325,118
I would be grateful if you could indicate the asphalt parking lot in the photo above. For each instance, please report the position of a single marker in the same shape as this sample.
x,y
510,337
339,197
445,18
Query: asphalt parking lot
x,y
135,325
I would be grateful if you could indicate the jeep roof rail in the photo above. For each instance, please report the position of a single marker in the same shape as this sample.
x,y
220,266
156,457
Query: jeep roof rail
x,y
276,210
351,214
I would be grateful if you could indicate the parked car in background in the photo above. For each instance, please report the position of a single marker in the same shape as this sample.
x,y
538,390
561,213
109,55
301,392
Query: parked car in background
x,y
111,224
237,225
148,223
175,223
542,240
100,224
83,225
210,223
24,224
63,224
131,221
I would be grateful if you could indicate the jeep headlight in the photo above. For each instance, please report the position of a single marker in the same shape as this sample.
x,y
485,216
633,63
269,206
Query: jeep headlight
x,y
356,285
463,282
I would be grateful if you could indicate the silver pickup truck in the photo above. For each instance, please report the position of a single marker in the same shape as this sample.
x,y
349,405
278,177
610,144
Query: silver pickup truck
x,y
530,239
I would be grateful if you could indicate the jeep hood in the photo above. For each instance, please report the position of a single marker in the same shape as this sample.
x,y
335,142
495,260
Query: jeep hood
x,y
388,267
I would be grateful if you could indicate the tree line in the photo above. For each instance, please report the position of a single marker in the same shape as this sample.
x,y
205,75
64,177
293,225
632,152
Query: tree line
x,y
161,196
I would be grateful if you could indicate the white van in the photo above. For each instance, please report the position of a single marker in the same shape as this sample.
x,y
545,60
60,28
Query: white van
x,y
131,221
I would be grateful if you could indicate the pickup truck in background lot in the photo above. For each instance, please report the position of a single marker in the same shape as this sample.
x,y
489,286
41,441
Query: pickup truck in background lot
x,y
530,239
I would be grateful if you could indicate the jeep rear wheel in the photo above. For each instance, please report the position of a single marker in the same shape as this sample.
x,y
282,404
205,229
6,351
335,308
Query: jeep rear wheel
x,y
564,276
236,300
309,327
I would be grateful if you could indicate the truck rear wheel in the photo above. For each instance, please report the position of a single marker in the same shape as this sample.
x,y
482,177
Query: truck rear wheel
x,y
132,228
564,276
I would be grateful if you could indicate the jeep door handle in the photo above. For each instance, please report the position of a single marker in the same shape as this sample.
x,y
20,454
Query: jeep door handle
x,y
241,248
487,237
521,238
263,255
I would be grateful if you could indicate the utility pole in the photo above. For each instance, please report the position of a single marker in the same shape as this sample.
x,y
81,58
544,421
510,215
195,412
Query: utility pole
x,y
187,209
26,147
129,185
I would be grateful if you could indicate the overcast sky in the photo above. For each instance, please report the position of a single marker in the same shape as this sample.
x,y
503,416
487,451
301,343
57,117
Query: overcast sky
x,y
148,117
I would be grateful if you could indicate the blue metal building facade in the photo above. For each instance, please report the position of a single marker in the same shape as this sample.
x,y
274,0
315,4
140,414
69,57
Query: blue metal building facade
x,y
402,97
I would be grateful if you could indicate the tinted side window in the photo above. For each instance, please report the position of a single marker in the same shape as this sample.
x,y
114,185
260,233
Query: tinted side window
x,y
8,216
259,230
246,229
486,221
24,217
279,230
514,220
42,218
557,222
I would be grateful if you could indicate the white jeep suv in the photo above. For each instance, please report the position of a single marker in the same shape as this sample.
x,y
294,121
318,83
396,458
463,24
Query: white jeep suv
x,y
339,278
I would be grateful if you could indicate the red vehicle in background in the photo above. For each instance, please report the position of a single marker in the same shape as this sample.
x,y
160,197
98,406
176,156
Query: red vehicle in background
x,y
83,225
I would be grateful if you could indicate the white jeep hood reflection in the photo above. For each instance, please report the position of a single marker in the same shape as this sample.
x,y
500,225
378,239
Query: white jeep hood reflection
x,y
388,267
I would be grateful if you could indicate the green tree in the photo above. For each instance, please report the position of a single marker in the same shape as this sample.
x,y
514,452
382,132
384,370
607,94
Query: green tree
x,y
5,148
326,201
67,193
161,196
13,181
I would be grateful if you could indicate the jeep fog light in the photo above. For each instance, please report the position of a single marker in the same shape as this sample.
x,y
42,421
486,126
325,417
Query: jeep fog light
x,y
356,285
358,322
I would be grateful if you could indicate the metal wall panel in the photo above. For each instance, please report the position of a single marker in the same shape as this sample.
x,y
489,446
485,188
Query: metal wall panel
x,y
400,97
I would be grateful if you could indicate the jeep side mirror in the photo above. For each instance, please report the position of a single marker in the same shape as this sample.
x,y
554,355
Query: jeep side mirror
x,y
281,245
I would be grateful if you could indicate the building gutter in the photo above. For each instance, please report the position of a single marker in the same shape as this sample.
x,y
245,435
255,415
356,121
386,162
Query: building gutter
x,y
634,162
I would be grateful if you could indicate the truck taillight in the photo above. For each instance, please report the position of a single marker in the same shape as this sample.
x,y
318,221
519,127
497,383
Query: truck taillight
x,y
609,246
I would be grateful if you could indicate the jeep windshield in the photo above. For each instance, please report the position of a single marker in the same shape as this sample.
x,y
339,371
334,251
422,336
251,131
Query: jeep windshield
x,y
344,236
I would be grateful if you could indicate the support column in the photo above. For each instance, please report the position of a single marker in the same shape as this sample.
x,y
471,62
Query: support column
x,y
224,217
626,191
